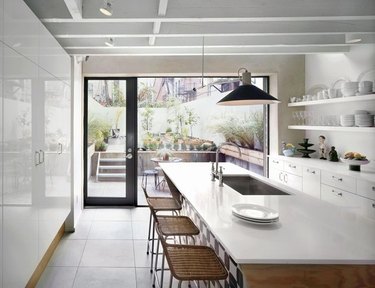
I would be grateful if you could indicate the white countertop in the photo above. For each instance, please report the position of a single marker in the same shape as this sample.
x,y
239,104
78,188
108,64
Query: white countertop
x,y
367,171
310,231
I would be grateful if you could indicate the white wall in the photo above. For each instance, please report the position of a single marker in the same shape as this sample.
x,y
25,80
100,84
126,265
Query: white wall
x,y
286,77
326,69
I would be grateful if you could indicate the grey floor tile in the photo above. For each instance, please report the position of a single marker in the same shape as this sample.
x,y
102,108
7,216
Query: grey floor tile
x,y
105,277
68,253
141,258
88,215
123,214
81,231
111,230
140,229
57,277
108,253
140,214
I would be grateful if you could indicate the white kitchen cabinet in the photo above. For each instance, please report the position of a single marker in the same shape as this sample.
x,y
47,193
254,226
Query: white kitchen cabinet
x,y
52,57
293,168
366,189
344,182
311,181
368,209
21,29
341,198
20,199
292,181
278,172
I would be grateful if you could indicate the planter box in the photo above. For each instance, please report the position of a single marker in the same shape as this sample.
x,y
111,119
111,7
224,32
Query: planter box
x,y
251,156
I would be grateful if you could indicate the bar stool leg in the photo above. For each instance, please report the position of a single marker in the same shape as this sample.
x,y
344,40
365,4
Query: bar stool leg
x,y
152,245
149,234
171,281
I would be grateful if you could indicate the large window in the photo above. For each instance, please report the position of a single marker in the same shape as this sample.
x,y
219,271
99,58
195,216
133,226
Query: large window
x,y
180,114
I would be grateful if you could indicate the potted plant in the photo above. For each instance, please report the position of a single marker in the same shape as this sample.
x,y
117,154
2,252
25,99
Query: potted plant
x,y
164,154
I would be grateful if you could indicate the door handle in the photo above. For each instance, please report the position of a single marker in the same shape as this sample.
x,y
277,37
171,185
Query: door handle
x,y
61,149
129,156
37,158
41,159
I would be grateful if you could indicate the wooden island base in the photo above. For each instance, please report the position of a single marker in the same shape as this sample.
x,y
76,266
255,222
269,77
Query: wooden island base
x,y
311,276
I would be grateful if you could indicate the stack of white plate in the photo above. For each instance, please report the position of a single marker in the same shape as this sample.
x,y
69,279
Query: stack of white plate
x,y
255,214
364,120
349,88
365,87
347,120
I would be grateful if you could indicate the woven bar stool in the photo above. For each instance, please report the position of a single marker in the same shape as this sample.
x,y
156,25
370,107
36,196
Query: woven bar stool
x,y
158,204
191,263
173,226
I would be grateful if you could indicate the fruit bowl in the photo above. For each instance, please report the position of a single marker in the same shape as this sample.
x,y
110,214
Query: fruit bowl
x,y
354,164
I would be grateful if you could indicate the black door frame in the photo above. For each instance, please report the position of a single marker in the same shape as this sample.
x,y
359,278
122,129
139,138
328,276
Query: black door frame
x,y
131,198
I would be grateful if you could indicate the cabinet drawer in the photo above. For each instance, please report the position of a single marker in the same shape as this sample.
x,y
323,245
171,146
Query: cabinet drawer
x,y
276,164
311,181
293,181
368,208
342,198
366,189
339,181
274,174
293,168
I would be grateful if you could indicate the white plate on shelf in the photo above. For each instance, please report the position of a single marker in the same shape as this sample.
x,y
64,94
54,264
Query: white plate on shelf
x,y
354,162
254,212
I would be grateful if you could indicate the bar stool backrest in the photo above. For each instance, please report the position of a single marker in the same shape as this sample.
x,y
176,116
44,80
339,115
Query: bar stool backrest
x,y
176,194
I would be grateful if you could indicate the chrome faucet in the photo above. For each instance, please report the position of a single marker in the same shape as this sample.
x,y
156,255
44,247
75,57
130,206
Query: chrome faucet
x,y
217,154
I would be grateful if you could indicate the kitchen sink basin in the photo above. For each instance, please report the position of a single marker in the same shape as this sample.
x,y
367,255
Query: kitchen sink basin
x,y
247,185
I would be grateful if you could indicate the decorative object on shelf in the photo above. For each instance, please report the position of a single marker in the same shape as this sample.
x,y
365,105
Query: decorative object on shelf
x,y
363,118
288,149
354,160
305,152
332,155
322,148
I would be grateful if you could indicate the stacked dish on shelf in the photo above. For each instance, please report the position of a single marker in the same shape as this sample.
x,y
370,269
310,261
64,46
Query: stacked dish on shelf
x,y
255,214
347,120
363,118
365,87
349,88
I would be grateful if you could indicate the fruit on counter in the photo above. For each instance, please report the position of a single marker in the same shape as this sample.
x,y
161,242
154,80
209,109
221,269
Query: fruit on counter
x,y
354,156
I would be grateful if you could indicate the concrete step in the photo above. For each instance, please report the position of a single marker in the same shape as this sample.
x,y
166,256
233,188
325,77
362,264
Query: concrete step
x,y
104,160
112,175
114,167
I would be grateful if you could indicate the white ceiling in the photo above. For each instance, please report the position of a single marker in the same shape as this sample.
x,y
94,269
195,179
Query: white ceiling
x,y
227,27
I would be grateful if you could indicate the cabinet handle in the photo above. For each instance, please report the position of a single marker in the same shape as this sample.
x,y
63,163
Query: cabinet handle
x,y
280,174
286,178
292,166
312,172
336,178
339,194
373,205
36,158
373,188
41,156
276,162
61,149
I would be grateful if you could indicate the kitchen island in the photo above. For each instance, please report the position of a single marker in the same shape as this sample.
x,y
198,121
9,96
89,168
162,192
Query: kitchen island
x,y
314,244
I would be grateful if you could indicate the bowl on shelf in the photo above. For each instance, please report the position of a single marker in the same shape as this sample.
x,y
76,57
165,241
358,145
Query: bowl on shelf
x,y
289,152
355,165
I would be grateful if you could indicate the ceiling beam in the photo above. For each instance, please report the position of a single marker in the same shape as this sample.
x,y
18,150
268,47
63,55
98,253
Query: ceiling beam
x,y
75,9
162,11
151,51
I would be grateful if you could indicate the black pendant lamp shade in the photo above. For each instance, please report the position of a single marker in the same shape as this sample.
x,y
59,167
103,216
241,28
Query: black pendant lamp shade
x,y
247,94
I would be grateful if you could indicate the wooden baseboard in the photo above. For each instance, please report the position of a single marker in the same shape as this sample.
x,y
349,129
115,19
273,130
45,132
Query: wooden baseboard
x,y
44,261
308,276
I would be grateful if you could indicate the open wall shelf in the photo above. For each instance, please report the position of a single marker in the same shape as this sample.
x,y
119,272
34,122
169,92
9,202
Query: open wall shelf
x,y
367,97
333,128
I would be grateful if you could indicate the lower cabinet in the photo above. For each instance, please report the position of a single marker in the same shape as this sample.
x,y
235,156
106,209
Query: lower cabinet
x,y
355,194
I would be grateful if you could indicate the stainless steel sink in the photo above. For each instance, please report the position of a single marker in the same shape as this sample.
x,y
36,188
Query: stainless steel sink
x,y
246,185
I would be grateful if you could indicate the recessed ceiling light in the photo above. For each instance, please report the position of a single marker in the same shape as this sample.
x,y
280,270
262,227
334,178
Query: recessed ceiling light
x,y
106,9
110,42
352,38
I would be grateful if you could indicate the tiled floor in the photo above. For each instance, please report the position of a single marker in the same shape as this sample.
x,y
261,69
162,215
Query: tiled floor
x,y
107,250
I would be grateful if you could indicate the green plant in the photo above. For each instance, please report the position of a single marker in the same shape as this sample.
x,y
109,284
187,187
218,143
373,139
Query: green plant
x,y
118,95
118,114
147,118
100,146
98,129
191,119
145,95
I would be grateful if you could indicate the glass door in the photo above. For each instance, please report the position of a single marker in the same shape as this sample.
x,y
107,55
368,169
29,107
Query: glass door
x,y
110,141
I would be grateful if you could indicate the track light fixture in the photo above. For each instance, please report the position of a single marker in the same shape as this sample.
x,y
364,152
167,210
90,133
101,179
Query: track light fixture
x,y
110,42
106,9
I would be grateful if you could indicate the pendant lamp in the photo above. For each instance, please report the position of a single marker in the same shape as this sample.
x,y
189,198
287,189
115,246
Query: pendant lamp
x,y
247,94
